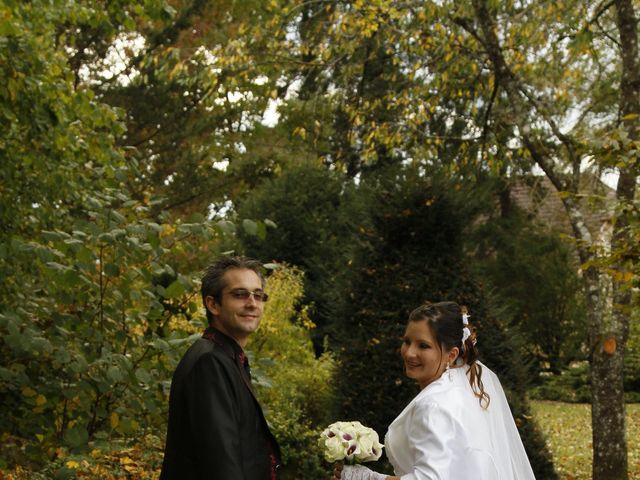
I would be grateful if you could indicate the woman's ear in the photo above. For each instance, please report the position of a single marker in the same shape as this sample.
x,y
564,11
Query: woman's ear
x,y
453,355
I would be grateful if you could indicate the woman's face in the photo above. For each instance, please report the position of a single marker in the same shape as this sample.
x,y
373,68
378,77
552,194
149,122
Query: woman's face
x,y
424,361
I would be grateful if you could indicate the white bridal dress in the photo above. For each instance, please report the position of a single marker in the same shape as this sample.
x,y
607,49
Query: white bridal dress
x,y
444,434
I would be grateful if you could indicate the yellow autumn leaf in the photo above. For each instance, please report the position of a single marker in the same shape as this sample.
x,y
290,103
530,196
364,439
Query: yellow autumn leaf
x,y
41,400
168,230
300,131
72,464
28,392
114,420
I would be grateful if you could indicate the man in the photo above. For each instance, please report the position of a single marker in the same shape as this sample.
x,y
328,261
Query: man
x,y
217,430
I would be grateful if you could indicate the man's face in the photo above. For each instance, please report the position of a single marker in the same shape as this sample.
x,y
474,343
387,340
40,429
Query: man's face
x,y
237,317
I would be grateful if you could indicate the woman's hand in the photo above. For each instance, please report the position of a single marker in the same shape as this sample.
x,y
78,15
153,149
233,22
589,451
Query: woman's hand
x,y
355,472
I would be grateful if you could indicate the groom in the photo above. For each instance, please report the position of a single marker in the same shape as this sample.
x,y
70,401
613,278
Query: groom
x,y
216,427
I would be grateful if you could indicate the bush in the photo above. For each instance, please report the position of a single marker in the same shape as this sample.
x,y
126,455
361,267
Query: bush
x,y
307,203
90,337
107,460
295,387
531,277
412,251
573,385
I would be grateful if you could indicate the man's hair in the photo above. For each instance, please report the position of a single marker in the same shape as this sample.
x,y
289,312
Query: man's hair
x,y
213,281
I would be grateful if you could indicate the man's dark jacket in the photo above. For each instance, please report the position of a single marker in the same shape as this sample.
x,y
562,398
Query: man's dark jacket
x,y
217,430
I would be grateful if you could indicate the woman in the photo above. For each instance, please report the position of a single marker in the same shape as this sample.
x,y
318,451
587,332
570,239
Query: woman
x,y
459,426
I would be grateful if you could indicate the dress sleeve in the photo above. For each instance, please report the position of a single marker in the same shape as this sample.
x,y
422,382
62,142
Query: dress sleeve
x,y
213,418
432,437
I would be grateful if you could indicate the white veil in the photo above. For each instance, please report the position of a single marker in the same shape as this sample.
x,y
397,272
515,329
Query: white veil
x,y
510,456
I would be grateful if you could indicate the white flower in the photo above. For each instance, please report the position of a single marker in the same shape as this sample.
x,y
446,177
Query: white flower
x,y
334,450
370,447
350,442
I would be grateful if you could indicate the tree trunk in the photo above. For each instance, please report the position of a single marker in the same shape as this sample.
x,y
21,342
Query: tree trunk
x,y
607,360
607,296
607,393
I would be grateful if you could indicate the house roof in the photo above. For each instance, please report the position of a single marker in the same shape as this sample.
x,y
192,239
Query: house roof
x,y
537,196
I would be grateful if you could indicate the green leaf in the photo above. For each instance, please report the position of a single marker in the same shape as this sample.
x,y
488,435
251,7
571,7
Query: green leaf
x,y
161,344
50,236
175,290
76,437
250,226
85,255
196,218
57,266
143,375
262,230
106,238
7,28
40,344
61,356
227,227
117,216
150,405
114,374
112,270
189,339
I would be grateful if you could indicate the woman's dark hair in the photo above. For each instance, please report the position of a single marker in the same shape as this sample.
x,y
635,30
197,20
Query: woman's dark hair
x,y
446,323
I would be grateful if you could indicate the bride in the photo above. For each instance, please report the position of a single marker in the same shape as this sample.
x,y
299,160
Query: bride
x,y
459,425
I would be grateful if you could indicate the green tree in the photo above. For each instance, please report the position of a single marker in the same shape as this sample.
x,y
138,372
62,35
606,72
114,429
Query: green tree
x,y
611,99
412,251
95,306
313,232
529,274
482,85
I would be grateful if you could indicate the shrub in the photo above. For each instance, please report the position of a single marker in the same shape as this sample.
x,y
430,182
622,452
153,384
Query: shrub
x,y
410,252
307,203
294,386
573,385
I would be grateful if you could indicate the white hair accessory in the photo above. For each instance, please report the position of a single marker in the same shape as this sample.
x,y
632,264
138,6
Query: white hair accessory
x,y
466,333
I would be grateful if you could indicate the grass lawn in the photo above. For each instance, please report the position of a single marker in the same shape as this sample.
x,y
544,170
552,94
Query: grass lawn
x,y
567,427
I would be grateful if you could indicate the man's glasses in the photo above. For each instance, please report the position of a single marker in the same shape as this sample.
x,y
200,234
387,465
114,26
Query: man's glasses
x,y
242,294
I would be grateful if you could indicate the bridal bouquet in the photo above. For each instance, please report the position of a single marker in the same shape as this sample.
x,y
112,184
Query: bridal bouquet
x,y
350,442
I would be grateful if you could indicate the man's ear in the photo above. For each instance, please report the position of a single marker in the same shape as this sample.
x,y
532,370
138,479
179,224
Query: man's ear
x,y
212,305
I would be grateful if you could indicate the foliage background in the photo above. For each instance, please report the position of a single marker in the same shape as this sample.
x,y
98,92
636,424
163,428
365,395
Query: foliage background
x,y
135,146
